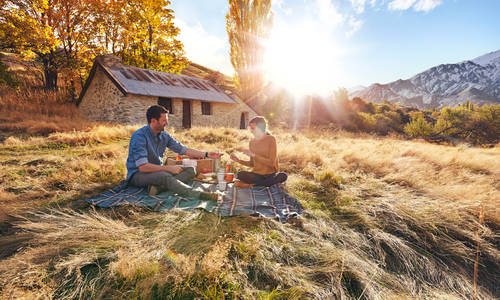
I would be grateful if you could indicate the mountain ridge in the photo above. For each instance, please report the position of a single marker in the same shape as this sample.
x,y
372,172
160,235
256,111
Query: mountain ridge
x,y
476,80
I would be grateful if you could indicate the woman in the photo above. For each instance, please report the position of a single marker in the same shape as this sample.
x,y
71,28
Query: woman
x,y
263,157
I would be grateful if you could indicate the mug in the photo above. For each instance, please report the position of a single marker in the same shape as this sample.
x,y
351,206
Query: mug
x,y
228,177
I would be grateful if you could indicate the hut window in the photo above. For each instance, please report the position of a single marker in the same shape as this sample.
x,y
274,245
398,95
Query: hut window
x,y
206,108
167,103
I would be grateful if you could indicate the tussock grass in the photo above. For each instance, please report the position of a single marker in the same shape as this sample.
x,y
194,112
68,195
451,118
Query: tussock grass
x,y
36,112
386,219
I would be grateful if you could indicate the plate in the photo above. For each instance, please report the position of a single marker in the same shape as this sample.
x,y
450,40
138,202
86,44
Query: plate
x,y
208,174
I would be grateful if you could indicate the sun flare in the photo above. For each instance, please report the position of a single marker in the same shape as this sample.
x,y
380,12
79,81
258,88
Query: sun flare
x,y
302,59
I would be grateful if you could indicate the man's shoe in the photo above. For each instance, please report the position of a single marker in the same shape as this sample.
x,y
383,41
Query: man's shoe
x,y
209,196
153,190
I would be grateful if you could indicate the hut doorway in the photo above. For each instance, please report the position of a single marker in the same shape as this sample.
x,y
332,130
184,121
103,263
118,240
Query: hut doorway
x,y
243,120
186,113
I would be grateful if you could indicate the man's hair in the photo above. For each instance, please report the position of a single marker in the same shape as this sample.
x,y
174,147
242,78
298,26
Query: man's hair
x,y
154,112
260,122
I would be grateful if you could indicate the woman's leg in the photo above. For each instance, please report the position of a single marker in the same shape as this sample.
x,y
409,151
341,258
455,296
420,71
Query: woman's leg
x,y
263,180
273,179
249,177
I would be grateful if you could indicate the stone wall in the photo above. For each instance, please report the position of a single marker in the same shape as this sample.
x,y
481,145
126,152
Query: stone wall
x,y
102,99
104,102
223,114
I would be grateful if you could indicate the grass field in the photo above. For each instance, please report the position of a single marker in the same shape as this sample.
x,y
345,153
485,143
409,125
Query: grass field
x,y
386,219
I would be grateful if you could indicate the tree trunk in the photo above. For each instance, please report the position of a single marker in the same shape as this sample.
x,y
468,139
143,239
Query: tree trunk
x,y
50,79
50,74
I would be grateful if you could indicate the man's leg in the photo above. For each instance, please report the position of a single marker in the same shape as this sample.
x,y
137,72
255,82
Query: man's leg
x,y
165,181
187,174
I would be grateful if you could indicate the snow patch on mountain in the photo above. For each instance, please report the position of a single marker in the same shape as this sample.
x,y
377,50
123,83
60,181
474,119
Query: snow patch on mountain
x,y
477,80
483,60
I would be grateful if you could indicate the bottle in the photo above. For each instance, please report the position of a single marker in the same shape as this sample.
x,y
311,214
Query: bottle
x,y
228,167
178,158
216,162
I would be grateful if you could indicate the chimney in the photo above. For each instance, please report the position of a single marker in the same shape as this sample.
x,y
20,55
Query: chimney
x,y
109,60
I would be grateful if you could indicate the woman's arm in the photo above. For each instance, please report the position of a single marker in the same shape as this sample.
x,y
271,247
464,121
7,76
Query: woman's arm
x,y
248,163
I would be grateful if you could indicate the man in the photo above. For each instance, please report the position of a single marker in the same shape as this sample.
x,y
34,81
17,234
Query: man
x,y
145,156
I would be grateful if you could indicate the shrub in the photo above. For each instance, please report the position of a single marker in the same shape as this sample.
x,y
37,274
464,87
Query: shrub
x,y
418,126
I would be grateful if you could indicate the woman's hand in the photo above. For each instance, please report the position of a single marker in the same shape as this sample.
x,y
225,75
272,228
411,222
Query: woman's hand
x,y
214,155
248,152
234,157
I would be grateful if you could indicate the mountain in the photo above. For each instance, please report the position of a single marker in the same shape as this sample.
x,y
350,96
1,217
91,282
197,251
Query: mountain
x,y
476,80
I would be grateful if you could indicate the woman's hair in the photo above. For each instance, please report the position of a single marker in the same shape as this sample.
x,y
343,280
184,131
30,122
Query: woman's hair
x,y
260,122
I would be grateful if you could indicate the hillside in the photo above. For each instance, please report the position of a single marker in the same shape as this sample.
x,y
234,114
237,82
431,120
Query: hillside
x,y
476,80
29,72
386,219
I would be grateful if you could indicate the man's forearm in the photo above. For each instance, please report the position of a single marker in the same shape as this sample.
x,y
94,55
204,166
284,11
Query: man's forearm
x,y
195,153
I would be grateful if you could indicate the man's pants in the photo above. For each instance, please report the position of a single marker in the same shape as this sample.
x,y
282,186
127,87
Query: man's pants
x,y
167,181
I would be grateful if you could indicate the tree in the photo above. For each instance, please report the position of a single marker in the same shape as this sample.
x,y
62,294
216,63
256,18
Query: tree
x,y
53,30
248,22
148,38
25,26
68,34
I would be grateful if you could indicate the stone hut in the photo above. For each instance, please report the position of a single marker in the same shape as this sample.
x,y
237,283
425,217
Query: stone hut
x,y
118,93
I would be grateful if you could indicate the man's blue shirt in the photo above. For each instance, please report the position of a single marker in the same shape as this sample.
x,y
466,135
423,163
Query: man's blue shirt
x,y
147,147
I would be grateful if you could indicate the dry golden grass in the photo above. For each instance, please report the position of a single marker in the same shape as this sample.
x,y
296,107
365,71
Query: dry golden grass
x,y
387,219
37,112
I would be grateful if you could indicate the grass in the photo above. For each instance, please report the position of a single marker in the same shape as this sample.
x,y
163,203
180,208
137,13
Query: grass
x,y
386,219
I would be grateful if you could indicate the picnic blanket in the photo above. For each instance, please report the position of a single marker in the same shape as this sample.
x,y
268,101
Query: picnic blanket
x,y
268,202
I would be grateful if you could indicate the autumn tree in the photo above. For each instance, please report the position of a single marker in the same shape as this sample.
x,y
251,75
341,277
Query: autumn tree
x,y
248,23
68,34
53,30
142,33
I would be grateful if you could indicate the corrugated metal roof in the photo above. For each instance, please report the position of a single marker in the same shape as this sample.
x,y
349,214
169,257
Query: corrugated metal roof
x,y
160,84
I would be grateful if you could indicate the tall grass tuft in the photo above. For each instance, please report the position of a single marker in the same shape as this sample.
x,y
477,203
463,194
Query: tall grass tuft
x,y
37,112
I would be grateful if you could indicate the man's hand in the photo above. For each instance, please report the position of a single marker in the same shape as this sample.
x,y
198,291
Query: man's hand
x,y
174,169
234,157
214,154
248,152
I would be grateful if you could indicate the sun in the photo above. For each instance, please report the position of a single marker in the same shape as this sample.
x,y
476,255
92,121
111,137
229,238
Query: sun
x,y
302,58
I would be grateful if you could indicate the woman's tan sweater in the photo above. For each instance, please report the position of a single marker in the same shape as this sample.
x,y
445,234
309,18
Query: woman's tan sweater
x,y
265,160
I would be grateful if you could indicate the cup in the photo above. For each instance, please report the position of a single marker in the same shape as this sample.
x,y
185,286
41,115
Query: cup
x,y
220,177
228,177
186,162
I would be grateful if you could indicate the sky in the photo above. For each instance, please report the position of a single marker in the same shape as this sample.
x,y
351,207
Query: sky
x,y
317,46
